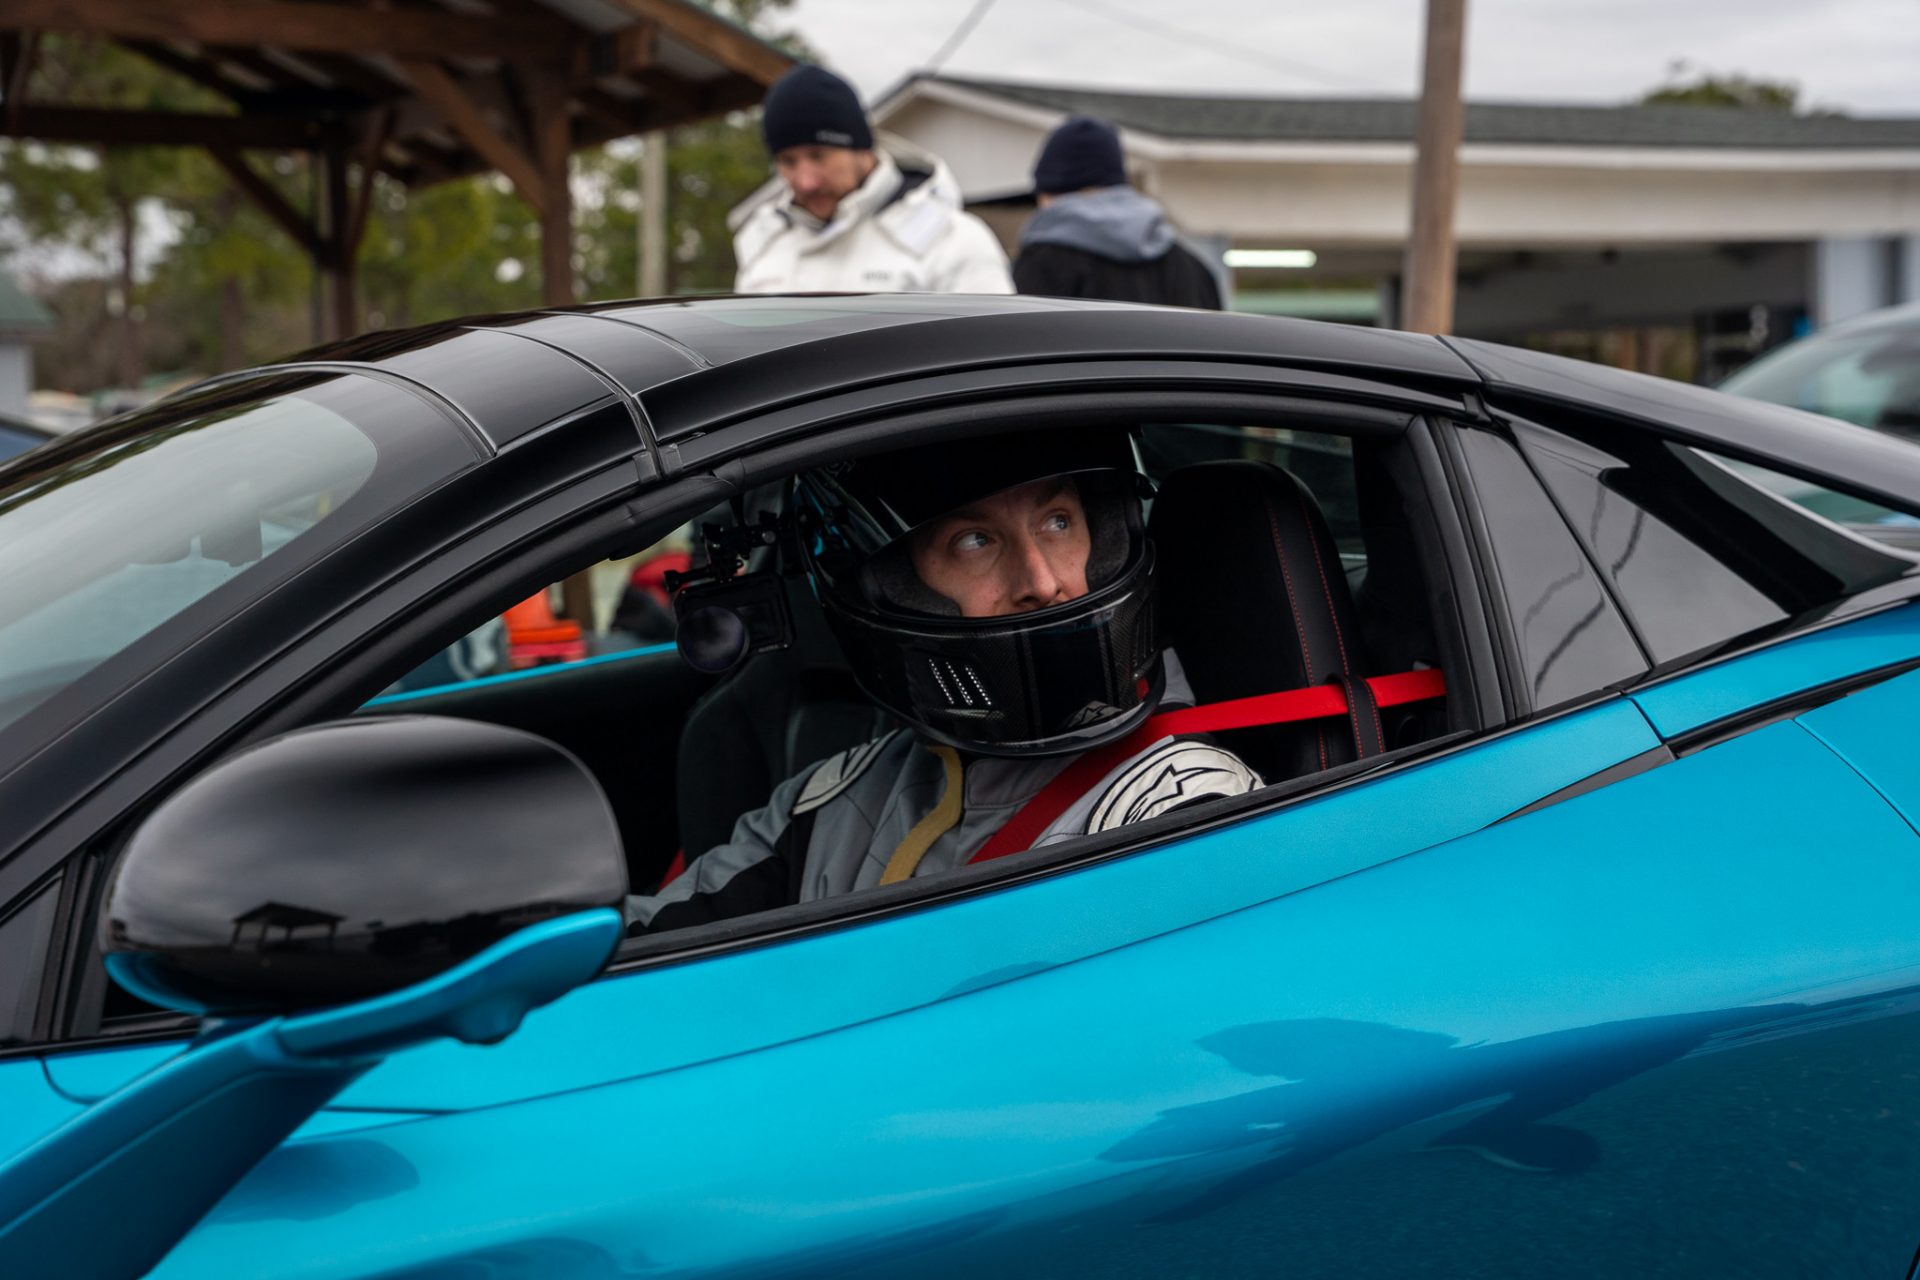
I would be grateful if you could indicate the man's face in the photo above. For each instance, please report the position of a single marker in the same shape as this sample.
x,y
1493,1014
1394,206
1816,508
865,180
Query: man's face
x,y
1020,550
820,177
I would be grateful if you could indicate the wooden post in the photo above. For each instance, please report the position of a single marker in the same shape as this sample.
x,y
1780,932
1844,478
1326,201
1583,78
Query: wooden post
x,y
653,216
553,145
1428,291
336,248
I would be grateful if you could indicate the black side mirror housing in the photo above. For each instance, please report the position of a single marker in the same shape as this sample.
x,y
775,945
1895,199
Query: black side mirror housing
x,y
353,859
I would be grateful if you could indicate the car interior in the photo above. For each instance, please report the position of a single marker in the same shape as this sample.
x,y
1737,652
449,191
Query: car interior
x,y
1280,551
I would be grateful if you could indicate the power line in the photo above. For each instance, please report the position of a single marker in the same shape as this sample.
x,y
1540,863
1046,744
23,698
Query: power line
x,y
952,43
1201,40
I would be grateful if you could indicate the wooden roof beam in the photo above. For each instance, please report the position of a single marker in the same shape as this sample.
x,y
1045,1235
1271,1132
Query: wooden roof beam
x,y
318,27
727,44
16,66
267,197
161,128
444,94
203,73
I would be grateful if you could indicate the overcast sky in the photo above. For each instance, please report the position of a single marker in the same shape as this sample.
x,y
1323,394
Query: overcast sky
x,y
1858,56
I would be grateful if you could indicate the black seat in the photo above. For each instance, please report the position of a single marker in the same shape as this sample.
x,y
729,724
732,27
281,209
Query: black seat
x,y
1254,599
766,721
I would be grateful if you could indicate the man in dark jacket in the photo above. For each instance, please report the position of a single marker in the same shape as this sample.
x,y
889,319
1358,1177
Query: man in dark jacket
x,y
1095,236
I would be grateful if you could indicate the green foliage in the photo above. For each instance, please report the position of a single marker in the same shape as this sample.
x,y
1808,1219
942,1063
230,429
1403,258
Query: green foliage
x,y
1732,90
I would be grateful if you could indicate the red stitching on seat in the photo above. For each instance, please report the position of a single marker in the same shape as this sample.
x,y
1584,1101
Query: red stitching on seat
x,y
1293,601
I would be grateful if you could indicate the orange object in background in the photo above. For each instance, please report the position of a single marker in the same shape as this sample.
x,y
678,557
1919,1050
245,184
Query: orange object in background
x,y
536,637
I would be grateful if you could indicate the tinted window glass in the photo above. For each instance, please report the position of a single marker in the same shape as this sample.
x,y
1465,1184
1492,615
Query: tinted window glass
x,y
1570,638
1322,462
129,525
24,938
1697,553
628,610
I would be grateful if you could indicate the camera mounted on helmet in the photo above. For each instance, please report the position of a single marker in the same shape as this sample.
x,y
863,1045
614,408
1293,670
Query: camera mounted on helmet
x,y
722,616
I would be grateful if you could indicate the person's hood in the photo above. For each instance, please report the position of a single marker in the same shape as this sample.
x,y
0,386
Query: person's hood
x,y
1114,222
911,194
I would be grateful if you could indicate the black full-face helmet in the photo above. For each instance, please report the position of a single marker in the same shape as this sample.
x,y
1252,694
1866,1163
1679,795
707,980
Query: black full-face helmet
x,y
1058,679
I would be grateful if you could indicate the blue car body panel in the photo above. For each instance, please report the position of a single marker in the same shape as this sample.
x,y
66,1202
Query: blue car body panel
x,y
1642,1003
1659,992
1699,698
1873,732
29,1104
650,1022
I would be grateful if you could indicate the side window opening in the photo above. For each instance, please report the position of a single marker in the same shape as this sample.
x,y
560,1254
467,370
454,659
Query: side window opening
x,y
683,756
1698,550
615,607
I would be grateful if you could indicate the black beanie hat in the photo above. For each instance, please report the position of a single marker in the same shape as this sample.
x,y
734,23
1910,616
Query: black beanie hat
x,y
812,107
1083,152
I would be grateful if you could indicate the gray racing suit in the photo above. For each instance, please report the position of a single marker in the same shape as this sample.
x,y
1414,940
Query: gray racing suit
x,y
832,827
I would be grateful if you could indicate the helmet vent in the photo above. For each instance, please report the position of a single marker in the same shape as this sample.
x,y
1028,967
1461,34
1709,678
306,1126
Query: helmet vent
x,y
959,683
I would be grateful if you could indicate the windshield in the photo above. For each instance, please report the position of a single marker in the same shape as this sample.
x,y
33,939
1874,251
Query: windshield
x,y
1870,377
131,524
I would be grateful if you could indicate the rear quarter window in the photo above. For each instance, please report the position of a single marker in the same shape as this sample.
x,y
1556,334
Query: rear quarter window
x,y
1698,550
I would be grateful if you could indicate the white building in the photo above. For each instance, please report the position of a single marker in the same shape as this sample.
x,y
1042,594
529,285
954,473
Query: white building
x,y
1642,235
23,320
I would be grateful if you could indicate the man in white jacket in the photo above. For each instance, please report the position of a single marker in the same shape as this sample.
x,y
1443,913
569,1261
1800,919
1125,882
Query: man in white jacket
x,y
854,217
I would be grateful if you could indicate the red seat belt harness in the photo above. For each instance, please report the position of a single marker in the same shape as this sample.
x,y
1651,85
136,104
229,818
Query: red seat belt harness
x,y
1320,702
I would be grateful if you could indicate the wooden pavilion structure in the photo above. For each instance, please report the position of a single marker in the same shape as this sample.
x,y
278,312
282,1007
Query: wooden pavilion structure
x,y
420,90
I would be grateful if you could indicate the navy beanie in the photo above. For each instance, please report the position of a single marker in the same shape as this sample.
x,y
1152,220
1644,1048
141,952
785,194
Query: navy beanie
x,y
812,107
1083,152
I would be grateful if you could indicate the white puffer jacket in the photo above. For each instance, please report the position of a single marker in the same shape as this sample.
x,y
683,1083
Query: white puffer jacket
x,y
903,230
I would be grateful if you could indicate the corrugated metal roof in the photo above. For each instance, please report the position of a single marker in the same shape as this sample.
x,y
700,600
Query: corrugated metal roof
x,y
1392,120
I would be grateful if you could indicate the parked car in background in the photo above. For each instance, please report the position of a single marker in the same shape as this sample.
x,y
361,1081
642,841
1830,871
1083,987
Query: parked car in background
x,y
1866,371
17,436
1593,952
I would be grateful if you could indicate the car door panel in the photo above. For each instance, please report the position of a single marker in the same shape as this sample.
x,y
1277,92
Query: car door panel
x,y
29,1104
1699,698
1670,986
632,1025
1872,730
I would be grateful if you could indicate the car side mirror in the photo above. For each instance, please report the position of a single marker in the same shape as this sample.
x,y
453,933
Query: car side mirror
x,y
326,898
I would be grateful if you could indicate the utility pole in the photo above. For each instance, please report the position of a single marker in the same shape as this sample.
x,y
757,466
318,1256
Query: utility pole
x,y
1427,295
653,216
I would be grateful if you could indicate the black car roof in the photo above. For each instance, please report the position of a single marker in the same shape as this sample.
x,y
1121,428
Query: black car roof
x,y
694,360
693,363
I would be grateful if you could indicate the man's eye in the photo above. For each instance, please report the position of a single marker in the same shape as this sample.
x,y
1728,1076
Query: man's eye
x,y
1058,522
970,542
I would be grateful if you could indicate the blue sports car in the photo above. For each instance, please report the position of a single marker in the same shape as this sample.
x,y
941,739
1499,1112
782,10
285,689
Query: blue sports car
x,y
1573,930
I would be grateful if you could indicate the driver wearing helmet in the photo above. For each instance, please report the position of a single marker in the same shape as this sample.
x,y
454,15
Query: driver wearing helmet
x,y
999,602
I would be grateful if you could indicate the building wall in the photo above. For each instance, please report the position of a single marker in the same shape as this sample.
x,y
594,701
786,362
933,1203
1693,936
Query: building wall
x,y
1326,195
1329,204
16,377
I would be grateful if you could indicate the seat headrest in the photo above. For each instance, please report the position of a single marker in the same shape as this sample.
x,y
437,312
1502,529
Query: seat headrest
x,y
1254,599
